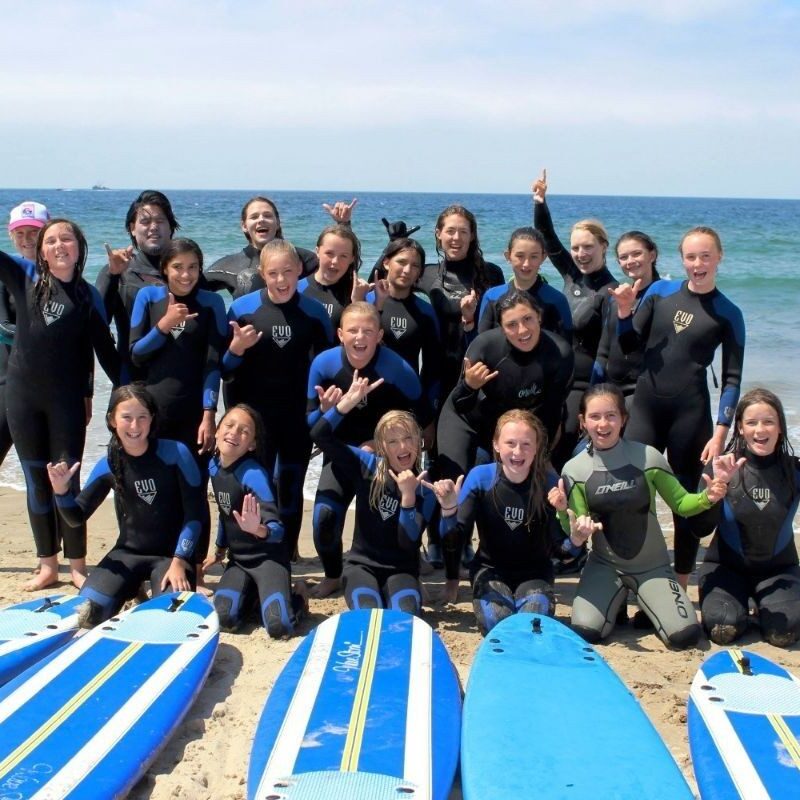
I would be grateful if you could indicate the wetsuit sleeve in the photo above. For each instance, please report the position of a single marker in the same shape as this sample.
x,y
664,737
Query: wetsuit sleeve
x,y
599,373
732,364
486,315
453,529
634,330
15,273
7,326
222,539
356,463
431,373
661,478
192,498
411,522
103,341
230,362
217,339
108,286
76,510
576,499
321,371
145,341
255,481
559,257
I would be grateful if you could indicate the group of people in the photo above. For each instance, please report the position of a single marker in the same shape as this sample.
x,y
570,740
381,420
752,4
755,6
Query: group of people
x,y
543,418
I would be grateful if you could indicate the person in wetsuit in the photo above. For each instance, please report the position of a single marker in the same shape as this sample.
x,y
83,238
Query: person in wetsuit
x,y
250,532
392,505
157,498
61,324
753,552
678,327
615,480
526,253
397,388
586,281
276,334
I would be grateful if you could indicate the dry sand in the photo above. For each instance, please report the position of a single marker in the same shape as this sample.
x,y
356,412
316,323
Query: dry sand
x,y
208,755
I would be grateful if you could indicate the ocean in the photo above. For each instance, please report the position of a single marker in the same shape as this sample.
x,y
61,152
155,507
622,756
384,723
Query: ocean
x,y
759,271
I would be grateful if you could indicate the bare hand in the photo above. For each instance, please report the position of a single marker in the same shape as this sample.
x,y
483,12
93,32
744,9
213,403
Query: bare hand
x,y
557,496
726,466
119,260
716,489
328,398
625,295
469,304
175,315
359,389
446,491
539,188
176,576
250,518
210,562
361,289
581,528
61,475
340,211
206,432
477,375
381,292
244,338
407,483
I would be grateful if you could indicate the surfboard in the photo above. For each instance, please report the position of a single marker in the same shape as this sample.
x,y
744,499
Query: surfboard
x,y
87,721
31,630
744,728
368,706
545,716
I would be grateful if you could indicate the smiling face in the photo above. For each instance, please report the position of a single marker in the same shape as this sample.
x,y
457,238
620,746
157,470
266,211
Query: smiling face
x,y
132,421
360,335
588,252
454,236
236,436
151,230
516,446
636,260
24,240
281,272
522,327
402,271
760,428
401,447
260,224
335,254
603,421
182,273
701,256
60,250
526,257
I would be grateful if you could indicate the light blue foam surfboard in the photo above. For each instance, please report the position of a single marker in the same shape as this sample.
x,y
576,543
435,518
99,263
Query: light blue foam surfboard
x,y
368,707
744,728
545,716
86,721
31,630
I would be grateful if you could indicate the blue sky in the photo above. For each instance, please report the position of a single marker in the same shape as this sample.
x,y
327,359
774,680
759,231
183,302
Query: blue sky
x,y
678,97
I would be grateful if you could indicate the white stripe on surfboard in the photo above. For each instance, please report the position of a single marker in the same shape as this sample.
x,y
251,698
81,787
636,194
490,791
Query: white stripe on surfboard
x,y
417,767
109,736
280,763
740,767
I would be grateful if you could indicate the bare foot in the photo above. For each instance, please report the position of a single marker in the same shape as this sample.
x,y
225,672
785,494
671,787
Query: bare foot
x,y
77,571
47,575
326,587
204,590
300,588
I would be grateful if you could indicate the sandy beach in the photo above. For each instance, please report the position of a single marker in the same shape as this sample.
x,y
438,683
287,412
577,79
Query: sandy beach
x,y
207,757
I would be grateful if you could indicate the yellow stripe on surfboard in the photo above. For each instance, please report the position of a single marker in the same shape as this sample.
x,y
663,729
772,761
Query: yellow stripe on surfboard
x,y
72,705
358,716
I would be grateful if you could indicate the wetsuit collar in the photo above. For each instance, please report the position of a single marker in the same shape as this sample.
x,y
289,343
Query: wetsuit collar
x,y
761,462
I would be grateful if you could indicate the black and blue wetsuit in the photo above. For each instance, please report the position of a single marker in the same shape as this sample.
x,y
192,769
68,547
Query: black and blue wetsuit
x,y
8,322
556,316
158,510
382,569
401,390
512,569
332,297
753,554
272,377
256,568
49,370
678,332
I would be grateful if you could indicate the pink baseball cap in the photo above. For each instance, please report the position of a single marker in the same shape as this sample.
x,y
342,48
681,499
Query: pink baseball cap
x,y
29,213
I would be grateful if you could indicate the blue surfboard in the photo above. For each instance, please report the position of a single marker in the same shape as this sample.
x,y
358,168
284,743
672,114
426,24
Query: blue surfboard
x,y
86,721
545,716
744,728
368,706
31,630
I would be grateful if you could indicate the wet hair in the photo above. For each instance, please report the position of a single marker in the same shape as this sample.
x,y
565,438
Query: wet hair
x,y
537,505
278,247
261,199
391,419
44,285
259,430
783,448
343,289
362,308
704,229
604,390
596,228
150,197
480,273
398,245
530,234
116,461
177,247
516,298
643,239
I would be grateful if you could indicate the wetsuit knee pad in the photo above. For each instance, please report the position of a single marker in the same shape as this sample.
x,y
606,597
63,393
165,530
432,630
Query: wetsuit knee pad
x,y
686,637
407,600
723,620
364,598
275,615
227,604
539,602
489,611
327,526
99,607
779,626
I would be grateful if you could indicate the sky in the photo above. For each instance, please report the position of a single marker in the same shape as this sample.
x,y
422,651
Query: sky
x,y
620,97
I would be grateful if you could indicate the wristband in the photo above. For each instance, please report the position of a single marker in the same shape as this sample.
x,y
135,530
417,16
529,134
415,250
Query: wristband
x,y
450,508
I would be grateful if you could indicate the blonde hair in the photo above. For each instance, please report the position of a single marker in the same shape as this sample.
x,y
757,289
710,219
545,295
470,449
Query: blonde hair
x,y
364,309
593,226
391,419
278,247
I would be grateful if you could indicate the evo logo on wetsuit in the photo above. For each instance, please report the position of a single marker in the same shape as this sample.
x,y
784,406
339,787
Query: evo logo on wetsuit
x,y
619,486
514,517
388,506
329,308
224,501
52,312
398,326
178,329
760,495
281,334
146,489
682,320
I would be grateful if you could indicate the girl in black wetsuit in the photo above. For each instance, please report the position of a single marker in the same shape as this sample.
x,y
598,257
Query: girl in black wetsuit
x,y
157,498
60,322
678,326
753,552
392,505
456,285
586,281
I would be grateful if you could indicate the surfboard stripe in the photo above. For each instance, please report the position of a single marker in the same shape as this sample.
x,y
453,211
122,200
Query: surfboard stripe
x,y
786,736
355,727
281,761
20,752
743,774
417,766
